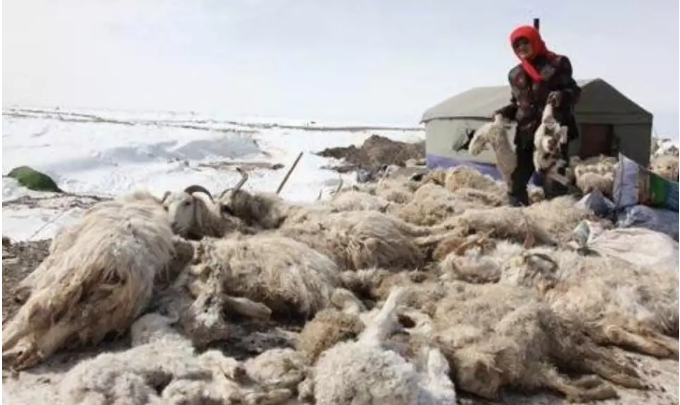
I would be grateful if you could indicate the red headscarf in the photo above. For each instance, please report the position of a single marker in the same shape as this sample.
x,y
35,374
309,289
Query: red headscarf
x,y
538,46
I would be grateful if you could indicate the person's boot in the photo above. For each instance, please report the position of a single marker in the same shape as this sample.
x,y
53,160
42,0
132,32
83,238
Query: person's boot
x,y
517,201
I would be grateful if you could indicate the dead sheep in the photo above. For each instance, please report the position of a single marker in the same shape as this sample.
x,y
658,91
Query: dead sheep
x,y
328,327
665,166
374,284
269,211
548,140
365,372
547,222
463,177
353,200
193,217
394,190
432,204
620,303
163,367
287,276
362,239
277,369
495,133
99,279
595,173
260,210
202,306
496,336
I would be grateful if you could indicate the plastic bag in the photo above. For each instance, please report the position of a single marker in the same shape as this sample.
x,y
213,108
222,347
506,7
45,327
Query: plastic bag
x,y
639,246
636,185
597,202
656,219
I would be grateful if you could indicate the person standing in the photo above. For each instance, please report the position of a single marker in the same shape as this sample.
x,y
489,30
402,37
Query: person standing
x,y
541,77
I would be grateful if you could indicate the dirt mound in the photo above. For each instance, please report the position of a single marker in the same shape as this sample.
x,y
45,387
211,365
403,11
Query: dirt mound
x,y
375,152
18,260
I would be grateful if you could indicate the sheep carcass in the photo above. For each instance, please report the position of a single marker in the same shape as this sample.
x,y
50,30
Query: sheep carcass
x,y
395,190
269,211
497,336
162,360
287,276
595,173
366,372
432,204
363,239
496,134
620,303
97,280
547,222
548,140
64,240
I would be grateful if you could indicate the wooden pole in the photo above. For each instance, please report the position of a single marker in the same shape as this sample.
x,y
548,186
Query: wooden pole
x,y
537,24
285,179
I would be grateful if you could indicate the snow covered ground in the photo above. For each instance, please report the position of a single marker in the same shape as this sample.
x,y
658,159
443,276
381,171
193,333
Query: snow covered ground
x,y
108,153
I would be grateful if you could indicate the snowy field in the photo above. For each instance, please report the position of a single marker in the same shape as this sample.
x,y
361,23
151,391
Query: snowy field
x,y
108,153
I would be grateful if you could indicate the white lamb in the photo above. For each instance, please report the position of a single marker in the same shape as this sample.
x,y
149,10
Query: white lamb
x,y
365,372
98,279
496,134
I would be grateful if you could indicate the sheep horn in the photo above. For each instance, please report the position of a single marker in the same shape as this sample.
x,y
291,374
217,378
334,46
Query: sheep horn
x,y
244,178
195,187
337,189
165,196
320,194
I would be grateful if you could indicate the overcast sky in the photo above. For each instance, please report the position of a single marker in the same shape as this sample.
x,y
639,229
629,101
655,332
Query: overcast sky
x,y
377,60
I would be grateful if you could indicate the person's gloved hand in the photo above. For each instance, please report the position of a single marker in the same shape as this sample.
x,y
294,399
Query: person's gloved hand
x,y
555,98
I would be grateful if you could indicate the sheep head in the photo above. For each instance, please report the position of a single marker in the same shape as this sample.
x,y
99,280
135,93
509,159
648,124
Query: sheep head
x,y
477,372
185,210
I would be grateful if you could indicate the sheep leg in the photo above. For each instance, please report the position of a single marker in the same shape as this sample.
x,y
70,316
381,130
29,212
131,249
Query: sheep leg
x,y
587,381
272,397
656,337
616,373
549,377
385,320
246,307
619,336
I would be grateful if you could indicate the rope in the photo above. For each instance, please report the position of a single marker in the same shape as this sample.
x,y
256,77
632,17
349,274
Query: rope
x,y
48,223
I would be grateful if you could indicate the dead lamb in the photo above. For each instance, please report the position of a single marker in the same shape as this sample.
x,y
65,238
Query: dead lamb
x,y
98,279
496,134
365,372
548,140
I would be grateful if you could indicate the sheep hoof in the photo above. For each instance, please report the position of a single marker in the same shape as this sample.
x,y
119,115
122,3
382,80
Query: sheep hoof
x,y
599,393
26,358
